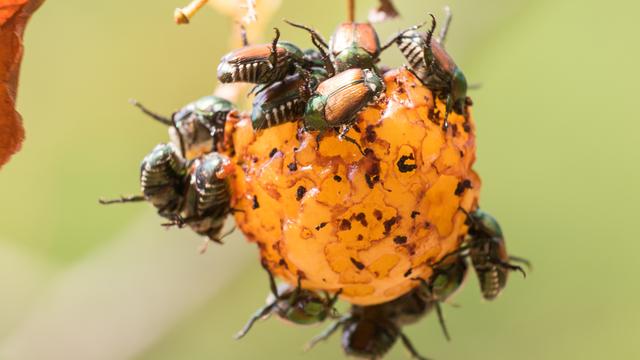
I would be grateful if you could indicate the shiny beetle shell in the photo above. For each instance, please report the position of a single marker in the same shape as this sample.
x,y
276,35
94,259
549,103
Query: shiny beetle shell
x,y
197,122
369,337
251,63
354,45
362,35
162,174
208,200
488,250
283,102
339,99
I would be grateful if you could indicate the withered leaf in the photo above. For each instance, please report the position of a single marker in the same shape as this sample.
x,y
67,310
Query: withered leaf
x,y
14,15
386,11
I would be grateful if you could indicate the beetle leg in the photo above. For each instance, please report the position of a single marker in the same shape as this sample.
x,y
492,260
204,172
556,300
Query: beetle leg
x,y
448,109
445,27
150,113
343,135
296,292
429,59
436,302
326,333
334,298
319,138
178,221
443,325
217,240
431,31
314,34
524,261
508,266
409,346
459,251
273,58
257,316
325,58
122,200
400,35
272,281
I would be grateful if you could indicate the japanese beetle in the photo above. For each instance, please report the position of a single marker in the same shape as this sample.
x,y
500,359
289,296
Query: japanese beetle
x,y
293,304
352,45
434,67
488,253
371,331
162,180
283,101
338,100
261,64
198,126
208,199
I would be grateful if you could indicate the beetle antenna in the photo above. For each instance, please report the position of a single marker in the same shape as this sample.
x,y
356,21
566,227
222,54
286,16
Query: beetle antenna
x,y
400,35
150,113
122,200
430,32
273,59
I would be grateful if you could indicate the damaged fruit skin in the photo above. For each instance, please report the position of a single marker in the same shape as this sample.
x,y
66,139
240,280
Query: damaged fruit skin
x,y
368,225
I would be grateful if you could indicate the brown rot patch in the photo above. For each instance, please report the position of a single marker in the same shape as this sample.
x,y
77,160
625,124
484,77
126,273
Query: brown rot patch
x,y
300,192
362,218
371,135
400,240
414,214
345,225
321,225
377,214
337,178
406,163
292,166
256,204
372,176
273,152
408,272
388,224
357,264
462,186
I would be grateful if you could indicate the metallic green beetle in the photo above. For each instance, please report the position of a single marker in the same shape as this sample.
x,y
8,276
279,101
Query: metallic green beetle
x,y
371,331
199,123
434,67
488,253
208,197
262,63
337,101
294,304
284,101
352,45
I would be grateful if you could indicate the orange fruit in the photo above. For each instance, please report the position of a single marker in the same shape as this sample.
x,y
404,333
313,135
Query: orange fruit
x,y
368,225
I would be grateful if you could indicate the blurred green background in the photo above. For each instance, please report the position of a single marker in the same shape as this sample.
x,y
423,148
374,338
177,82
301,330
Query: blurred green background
x,y
557,137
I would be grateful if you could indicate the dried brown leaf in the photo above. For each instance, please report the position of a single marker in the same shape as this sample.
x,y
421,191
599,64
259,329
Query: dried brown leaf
x,y
14,15
386,11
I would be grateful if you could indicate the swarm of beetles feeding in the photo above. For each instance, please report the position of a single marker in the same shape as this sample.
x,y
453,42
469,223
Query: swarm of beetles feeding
x,y
353,183
367,224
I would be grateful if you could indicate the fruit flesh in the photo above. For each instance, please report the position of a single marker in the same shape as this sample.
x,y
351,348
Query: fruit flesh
x,y
368,225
